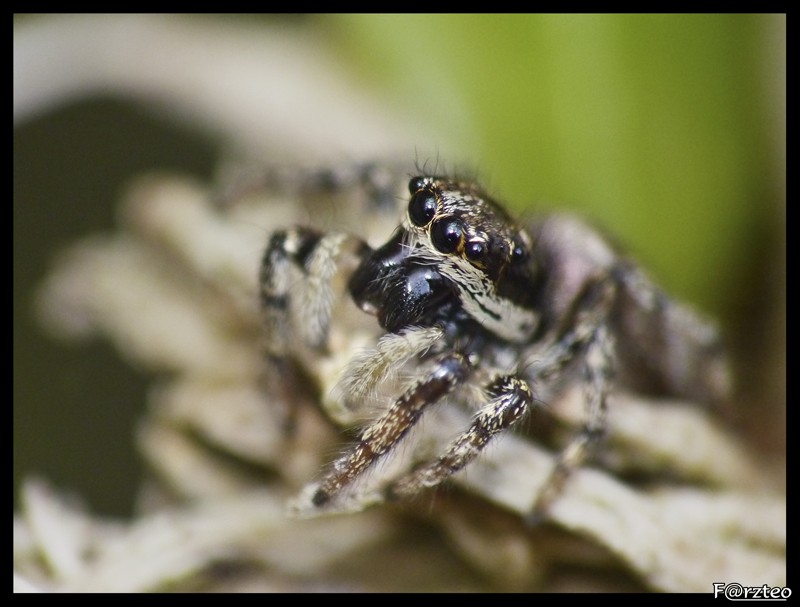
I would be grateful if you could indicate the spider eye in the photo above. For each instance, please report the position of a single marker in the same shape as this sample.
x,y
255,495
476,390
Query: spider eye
x,y
519,252
447,235
416,184
422,208
476,251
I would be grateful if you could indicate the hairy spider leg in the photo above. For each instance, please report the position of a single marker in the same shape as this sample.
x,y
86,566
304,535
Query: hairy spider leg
x,y
297,296
378,438
297,271
512,398
598,376
589,338
377,180
372,367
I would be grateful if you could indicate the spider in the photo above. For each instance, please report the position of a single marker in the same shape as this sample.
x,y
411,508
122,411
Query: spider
x,y
469,298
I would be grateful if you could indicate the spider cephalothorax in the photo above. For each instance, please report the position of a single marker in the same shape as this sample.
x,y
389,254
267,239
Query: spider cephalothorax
x,y
457,262
469,297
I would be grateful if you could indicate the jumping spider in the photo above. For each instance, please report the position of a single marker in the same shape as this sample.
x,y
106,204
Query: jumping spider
x,y
469,298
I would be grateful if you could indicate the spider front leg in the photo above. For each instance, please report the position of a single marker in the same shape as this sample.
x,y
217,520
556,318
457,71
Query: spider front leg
x,y
382,435
297,297
370,368
511,400
296,278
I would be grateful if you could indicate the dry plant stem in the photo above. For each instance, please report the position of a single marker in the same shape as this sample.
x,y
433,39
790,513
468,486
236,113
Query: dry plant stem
x,y
174,290
169,546
175,248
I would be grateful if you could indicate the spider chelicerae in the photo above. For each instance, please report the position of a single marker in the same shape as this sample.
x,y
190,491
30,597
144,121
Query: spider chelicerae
x,y
469,298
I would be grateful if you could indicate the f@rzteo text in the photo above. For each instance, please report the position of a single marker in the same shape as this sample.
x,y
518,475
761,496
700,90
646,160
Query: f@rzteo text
x,y
737,592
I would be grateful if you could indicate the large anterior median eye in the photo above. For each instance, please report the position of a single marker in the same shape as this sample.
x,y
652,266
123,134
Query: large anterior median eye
x,y
422,208
447,235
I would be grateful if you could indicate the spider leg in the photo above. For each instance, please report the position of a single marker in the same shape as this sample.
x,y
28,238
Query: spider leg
x,y
668,347
587,336
365,371
511,399
392,426
296,290
297,272
598,372
377,180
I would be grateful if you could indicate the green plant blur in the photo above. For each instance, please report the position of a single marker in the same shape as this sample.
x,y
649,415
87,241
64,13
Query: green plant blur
x,y
654,125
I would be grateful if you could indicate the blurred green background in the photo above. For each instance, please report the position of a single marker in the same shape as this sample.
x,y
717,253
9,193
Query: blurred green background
x,y
642,121
668,130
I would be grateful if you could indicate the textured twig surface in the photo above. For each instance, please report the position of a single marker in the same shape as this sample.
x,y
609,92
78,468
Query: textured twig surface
x,y
677,504
175,291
